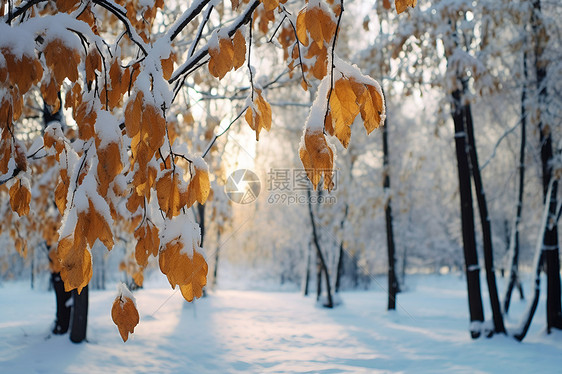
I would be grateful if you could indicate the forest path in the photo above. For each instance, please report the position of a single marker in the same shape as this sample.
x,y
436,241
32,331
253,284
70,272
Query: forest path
x,y
256,331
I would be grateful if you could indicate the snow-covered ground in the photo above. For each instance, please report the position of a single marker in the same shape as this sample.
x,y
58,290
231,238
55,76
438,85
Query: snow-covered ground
x,y
257,331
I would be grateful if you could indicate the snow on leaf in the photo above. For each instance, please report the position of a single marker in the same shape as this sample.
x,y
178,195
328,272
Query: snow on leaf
x,y
222,57
97,228
258,114
189,273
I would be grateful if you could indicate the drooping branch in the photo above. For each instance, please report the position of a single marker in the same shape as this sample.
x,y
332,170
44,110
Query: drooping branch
x,y
13,14
332,65
122,16
187,17
192,61
200,30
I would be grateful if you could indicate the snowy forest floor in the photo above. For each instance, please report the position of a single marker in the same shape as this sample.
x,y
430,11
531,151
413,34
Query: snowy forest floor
x,y
257,331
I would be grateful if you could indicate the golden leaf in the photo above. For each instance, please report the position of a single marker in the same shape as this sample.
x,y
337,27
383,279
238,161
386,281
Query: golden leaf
x,y
168,66
62,190
270,4
317,158
148,243
189,274
198,279
109,166
239,45
344,109
198,188
75,259
97,228
302,34
133,114
402,5
222,59
154,126
168,193
92,63
21,246
125,315
20,198
260,118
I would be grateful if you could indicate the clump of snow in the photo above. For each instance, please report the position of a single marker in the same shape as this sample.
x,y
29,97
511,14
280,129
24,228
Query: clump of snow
x,y
123,291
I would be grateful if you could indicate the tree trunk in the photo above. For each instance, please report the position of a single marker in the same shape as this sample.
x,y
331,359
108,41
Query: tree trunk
x,y
539,260
550,239
79,315
392,280
307,271
514,242
201,216
472,268
485,222
329,303
318,278
339,270
216,265
62,321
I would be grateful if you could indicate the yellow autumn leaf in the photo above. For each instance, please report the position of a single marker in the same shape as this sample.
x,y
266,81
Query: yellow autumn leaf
x,y
259,117
239,45
133,114
148,243
344,109
302,34
20,197
194,287
222,58
75,258
402,5
125,315
198,188
97,228
168,193
109,166
317,158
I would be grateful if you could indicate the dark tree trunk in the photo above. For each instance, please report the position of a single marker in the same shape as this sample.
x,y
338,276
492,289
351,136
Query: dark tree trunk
x,y
318,278
201,217
539,260
485,222
324,268
339,271
550,240
79,315
472,268
514,242
531,309
62,321
216,265
392,280
307,271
